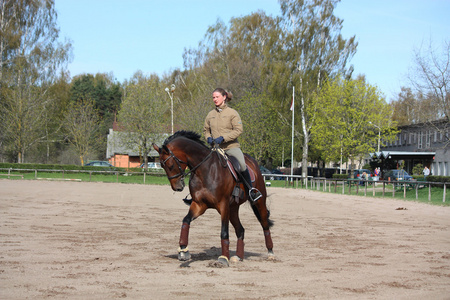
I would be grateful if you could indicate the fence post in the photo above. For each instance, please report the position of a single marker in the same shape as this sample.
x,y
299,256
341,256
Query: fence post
x,y
365,187
429,192
445,189
417,191
373,189
144,178
343,186
404,190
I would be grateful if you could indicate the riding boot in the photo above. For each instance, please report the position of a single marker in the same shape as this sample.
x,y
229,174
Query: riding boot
x,y
254,194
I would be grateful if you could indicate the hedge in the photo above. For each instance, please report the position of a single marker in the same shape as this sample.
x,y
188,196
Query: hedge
x,y
53,167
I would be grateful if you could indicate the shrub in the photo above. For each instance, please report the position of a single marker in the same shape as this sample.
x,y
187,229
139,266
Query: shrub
x,y
417,170
340,176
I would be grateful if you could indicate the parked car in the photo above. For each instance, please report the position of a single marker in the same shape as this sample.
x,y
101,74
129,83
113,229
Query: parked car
x,y
276,171
99,163
152,165
397,175
267,172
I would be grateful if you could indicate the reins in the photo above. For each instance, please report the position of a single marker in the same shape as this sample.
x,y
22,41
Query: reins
x,y
179,162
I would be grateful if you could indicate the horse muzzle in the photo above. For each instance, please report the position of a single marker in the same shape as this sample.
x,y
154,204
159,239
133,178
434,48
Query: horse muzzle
x,y
178,186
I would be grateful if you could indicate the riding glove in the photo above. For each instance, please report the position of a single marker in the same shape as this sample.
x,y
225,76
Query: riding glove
x,y
210,140
219,140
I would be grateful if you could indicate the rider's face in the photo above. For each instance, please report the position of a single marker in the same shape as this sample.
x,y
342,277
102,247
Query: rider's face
x,y
218,98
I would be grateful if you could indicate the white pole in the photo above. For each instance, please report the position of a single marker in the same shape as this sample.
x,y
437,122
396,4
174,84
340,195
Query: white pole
x,y
171,110
292,139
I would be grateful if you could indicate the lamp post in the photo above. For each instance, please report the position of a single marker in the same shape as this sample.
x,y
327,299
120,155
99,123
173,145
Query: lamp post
x,y
379,134
170,93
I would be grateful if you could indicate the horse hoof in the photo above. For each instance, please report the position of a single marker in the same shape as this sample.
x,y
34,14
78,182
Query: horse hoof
x,y
270,256
183,256
223,260
235,258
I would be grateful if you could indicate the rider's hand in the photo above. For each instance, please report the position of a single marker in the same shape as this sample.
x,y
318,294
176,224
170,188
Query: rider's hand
x,y
210,140
219,140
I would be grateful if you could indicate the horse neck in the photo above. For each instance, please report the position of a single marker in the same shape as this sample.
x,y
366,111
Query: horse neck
x,y
195,153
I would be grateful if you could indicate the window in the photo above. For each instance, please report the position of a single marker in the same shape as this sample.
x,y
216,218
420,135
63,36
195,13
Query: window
x,y
428,139
419,140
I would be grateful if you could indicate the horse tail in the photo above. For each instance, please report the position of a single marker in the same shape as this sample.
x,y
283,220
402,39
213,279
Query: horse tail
x,y
258,214
187,201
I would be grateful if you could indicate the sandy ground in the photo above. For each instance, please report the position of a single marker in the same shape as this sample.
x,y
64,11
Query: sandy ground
x,y
71,240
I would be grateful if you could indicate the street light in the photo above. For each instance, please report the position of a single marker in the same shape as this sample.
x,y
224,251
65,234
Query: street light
x,y
379,134
170,93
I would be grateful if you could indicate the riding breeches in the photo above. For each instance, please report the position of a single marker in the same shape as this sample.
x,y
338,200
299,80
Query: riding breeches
x,y
237,153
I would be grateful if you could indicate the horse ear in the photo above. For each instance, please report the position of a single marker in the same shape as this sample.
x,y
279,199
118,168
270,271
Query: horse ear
x,y
156,148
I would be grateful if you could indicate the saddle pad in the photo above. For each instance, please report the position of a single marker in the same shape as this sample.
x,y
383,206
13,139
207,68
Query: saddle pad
x,y
233,170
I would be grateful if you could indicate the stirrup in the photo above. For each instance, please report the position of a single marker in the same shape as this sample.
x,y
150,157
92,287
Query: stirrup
x,y
254,194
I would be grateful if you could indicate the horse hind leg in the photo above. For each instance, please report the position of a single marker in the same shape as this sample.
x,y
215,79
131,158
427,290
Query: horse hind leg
x,y
269,244
262,214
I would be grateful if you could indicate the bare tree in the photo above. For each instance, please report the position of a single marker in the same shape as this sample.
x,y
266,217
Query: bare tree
x,y
30,57
82,126
431,76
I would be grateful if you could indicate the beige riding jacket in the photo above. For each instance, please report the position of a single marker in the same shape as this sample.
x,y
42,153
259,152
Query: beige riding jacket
x,y
224,121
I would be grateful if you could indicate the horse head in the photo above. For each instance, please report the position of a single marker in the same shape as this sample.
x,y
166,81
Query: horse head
x,y
173,165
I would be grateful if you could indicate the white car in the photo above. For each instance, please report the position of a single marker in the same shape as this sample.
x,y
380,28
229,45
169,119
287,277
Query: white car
x,y
152,165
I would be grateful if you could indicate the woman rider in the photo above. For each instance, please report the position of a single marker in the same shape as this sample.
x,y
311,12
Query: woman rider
x,y
223,126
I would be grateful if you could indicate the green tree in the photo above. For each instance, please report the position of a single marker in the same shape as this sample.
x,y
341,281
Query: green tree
x,y
31,57
143,114
351,119
311,48
261,137
107,96
231,56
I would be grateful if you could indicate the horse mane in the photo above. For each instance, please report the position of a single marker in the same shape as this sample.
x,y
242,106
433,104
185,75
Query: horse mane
x,y
191,135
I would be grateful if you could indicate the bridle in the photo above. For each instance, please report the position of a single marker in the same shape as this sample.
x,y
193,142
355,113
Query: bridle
x,y
178,161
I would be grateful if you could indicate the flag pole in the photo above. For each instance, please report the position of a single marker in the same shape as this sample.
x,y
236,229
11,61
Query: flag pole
x,y
292,137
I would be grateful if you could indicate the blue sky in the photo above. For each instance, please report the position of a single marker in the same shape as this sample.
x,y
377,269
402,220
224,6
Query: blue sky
x,y
150,35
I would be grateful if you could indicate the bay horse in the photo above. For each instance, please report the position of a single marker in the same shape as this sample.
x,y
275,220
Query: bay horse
x,y
211,185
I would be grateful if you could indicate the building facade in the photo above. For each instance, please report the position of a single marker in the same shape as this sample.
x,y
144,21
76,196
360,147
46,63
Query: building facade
x,y
425,143
120,154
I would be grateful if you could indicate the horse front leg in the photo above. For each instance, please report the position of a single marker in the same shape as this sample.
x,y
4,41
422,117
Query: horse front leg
x,y
239,230
194,212
224,236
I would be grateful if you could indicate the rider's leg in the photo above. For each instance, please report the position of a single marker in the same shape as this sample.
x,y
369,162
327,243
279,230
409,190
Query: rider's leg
x,y
255,194
245,175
